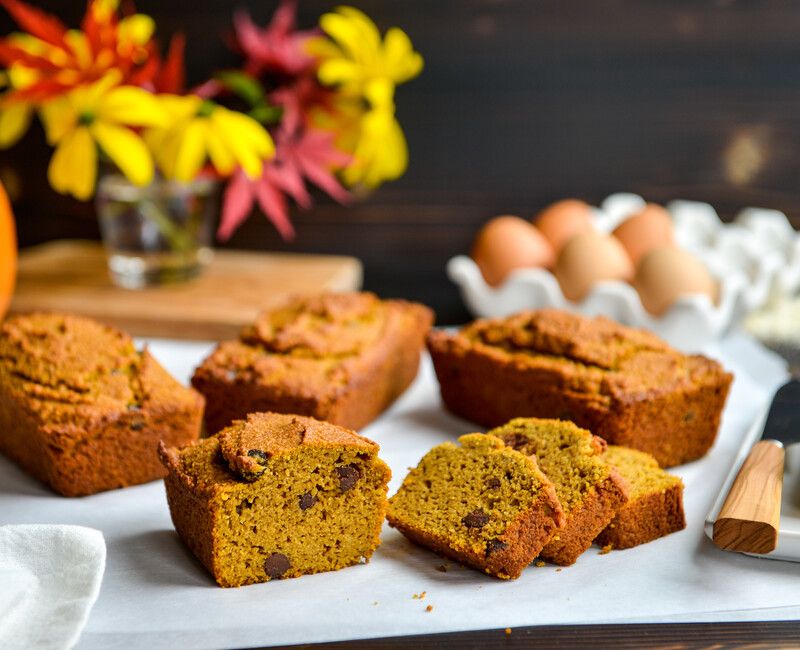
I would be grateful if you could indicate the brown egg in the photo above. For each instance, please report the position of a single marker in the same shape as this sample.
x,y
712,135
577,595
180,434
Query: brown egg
x,y
588,258
665,274
506,243
642,232
561,221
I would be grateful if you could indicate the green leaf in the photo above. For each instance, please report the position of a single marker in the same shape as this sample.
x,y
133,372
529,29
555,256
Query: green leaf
x,y
266,114
243,85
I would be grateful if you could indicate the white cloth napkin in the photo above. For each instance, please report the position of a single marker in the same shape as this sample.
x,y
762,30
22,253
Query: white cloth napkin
x,y
49,579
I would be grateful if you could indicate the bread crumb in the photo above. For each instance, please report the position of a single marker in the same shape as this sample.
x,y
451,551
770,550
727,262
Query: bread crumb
x,y
375,603
540,563
558,569
429,608
442,568
606,549
508,631
420,596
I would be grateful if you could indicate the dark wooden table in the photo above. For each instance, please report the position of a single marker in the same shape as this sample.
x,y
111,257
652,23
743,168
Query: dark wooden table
x,y
671,636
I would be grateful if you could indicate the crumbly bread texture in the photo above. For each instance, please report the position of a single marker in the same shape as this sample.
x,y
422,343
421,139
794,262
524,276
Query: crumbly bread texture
x,y
277,496
481,503
343,358
82,410
589,489
623,384
655,506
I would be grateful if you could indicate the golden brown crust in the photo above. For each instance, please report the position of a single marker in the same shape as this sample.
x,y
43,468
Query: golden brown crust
x,y
82,410
646,519
624,385
337,357
247,443
655,507
597,510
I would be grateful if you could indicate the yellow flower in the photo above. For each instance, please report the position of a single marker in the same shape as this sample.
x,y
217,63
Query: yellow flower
x,y
101,115
356,54
200,130
15,117
380,152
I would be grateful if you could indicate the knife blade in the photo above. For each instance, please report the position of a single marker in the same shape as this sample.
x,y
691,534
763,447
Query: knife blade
x,y
749,520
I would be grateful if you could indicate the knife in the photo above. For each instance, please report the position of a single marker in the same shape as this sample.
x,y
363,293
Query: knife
x,y
749,520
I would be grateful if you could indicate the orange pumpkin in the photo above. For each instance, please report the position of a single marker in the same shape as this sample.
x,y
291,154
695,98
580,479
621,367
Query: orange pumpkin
x,y
8,252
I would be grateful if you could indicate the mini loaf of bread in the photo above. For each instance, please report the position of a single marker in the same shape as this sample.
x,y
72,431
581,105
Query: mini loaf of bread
x,y
655,506
277,496
343,358
480,503
590,490
623,384
82,410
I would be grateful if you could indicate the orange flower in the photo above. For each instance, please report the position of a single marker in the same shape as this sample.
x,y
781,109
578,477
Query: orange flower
x,y
55,59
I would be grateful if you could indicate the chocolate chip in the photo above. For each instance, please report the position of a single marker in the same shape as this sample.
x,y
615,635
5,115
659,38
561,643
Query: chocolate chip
x,y
262,459
307,500
261,455
493,483
348,475
138,425
476,519
495,545
276,565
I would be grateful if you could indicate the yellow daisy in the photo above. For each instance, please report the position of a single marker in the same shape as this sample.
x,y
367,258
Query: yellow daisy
x,y
100,114
356,54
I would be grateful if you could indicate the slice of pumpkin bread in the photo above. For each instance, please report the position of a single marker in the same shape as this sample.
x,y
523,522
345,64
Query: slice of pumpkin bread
x,y
655,507
481,503
277,496
590,490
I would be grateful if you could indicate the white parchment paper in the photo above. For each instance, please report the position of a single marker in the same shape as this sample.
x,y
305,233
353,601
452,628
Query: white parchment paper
x,y
156,595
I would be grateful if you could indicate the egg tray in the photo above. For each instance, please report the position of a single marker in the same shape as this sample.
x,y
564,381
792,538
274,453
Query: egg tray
x,y
756,258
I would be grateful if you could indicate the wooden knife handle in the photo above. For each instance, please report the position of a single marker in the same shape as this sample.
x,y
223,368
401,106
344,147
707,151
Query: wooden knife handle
x,y
750,518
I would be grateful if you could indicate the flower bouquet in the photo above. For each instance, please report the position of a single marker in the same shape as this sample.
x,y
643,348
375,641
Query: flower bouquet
x,y
305,108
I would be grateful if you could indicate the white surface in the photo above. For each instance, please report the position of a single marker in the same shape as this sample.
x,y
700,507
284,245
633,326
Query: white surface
x,y
788,547
754,259
50,577
155,595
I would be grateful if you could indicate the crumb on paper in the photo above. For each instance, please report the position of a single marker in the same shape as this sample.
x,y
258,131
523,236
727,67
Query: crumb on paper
x,y
559,569
540,563
606,549
420,596
375,603
508,631
441,568
429,608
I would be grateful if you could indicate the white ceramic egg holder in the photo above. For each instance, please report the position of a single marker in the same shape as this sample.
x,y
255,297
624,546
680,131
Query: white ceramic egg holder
x,y
754,258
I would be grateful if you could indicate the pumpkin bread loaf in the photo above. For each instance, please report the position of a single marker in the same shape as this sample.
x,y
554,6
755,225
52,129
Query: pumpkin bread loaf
x,y
277,496
655,506
82,410
623,384
343,358
481,503
590,490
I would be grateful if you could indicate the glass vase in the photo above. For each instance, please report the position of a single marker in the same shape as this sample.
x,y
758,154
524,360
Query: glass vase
x,y
157,234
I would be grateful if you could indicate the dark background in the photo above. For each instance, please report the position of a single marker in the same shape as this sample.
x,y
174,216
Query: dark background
x,y
521,103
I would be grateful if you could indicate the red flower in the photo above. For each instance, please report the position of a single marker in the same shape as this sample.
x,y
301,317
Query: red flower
x,y
305,155
277,47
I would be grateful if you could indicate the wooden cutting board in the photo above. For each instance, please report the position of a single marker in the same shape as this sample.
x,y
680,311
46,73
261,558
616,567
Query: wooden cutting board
x,y
72,276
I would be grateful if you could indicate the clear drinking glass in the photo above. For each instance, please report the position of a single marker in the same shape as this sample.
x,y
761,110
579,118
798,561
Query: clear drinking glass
x,y
157,234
